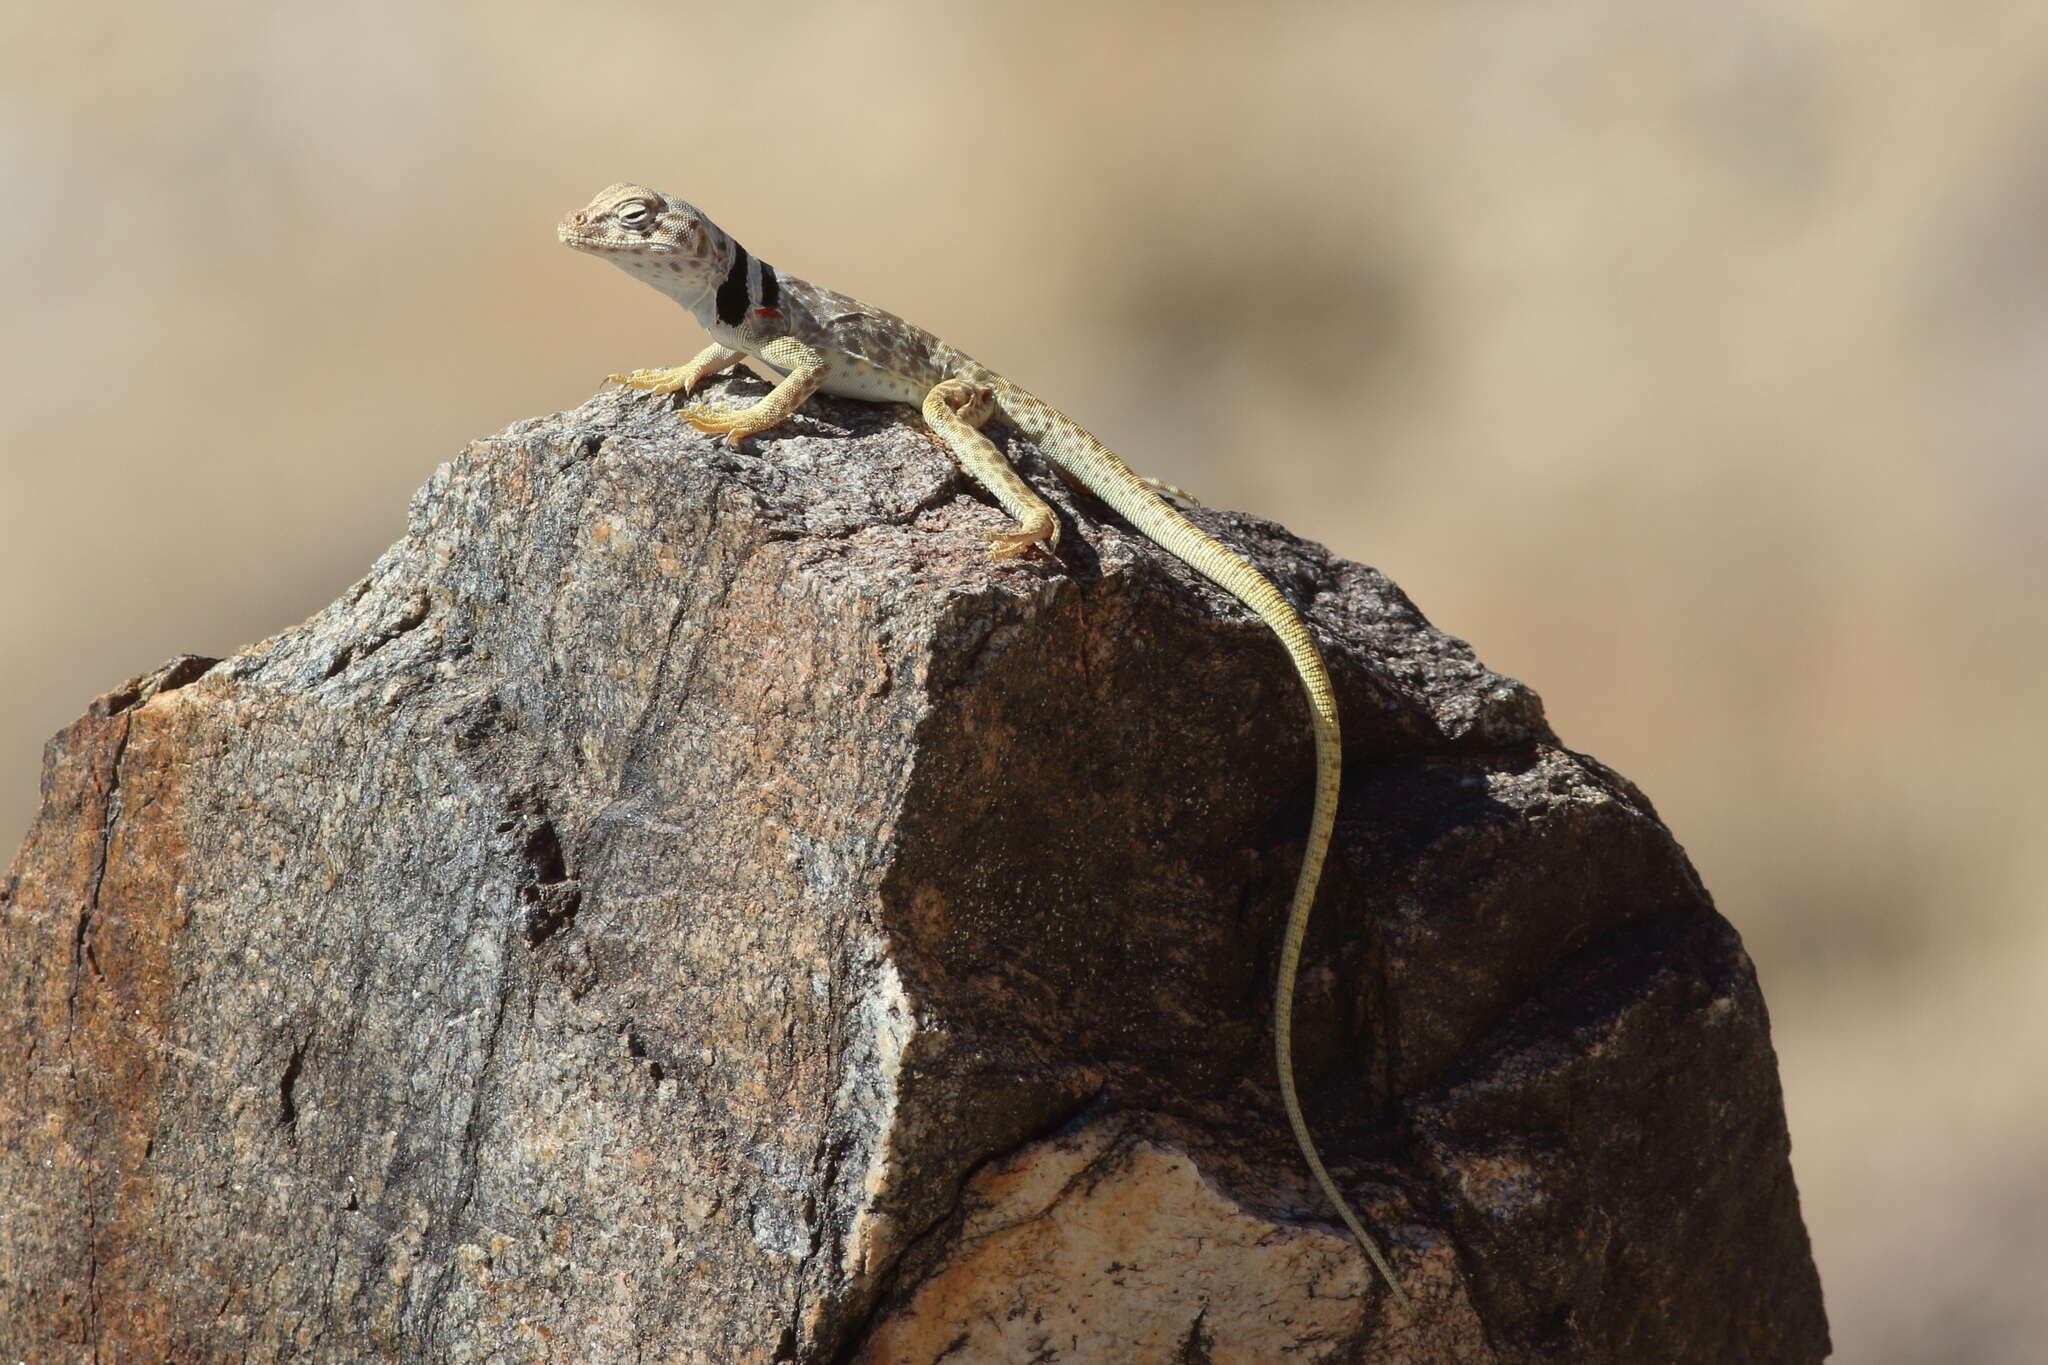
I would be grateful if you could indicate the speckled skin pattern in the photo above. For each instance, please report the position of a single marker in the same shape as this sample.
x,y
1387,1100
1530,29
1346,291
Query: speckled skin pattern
x,y
824,341
686,256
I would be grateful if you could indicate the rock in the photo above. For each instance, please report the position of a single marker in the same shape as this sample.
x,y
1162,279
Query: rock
x,y
691,903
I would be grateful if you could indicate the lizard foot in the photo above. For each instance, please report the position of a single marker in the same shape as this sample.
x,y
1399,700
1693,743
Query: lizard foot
x,y
676,380
734,426
1013,543
1167,490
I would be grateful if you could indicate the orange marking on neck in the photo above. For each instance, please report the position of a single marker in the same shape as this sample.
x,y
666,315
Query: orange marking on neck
x,y
767,312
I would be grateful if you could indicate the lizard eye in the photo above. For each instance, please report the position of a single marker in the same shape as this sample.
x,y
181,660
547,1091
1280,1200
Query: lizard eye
x,y
635,216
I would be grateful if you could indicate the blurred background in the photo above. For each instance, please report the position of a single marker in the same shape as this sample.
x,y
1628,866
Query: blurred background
x,y
1689,357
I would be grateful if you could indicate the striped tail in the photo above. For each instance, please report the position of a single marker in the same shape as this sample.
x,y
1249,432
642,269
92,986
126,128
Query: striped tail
x,y
1097,468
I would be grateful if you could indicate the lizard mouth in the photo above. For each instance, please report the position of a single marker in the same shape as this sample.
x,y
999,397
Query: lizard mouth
x,y
612,246
582,241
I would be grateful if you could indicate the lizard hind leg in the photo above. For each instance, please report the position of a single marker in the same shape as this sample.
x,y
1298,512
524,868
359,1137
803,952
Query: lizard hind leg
x,y
955,410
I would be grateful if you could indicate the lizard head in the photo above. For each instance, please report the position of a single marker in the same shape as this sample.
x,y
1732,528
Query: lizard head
x,y
656,236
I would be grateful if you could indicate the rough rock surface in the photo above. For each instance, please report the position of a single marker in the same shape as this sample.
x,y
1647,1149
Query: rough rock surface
x,y
692,904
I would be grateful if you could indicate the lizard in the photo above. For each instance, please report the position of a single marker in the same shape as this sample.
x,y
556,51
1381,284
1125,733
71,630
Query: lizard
x,y
819,340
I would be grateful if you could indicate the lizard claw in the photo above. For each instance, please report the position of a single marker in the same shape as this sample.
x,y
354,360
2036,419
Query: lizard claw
x,y
734,426
654,381
1015,543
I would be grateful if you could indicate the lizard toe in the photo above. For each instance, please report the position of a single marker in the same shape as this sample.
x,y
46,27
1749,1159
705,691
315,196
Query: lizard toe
x,y
1015,544
651,381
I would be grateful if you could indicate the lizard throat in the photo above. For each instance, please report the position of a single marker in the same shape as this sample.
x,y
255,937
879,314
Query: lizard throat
x,y
681,279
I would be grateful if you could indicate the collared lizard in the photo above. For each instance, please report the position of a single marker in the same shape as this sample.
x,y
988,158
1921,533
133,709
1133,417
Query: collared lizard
x,y
819,340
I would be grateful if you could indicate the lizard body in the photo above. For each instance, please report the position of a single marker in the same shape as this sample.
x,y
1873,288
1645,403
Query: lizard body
x,y
824,341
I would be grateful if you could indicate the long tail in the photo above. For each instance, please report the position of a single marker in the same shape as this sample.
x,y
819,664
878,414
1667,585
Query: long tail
x,y
1098,469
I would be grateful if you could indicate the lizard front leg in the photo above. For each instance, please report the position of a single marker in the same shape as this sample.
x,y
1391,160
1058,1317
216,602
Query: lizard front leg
x,y
709,361
807,368
955,410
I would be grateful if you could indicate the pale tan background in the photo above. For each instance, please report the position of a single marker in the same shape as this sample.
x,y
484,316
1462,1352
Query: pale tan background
x,y
1685,356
